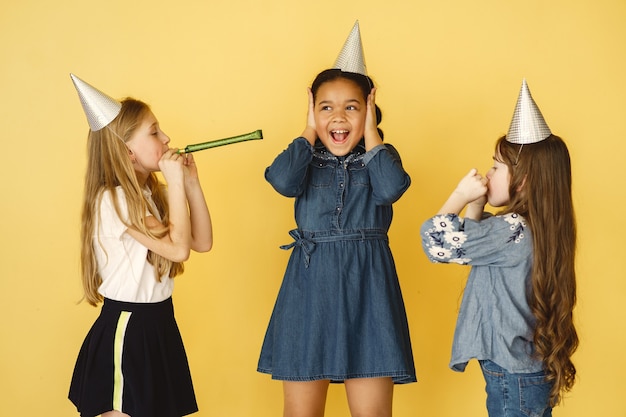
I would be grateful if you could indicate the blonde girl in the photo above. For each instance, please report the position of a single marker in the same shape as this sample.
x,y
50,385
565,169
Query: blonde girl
x,y
136,234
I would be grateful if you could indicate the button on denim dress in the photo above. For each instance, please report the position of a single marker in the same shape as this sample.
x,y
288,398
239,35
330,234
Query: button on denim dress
x,y
339,313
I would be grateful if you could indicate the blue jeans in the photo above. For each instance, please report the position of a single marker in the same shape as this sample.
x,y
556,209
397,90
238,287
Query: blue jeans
x,y
516,395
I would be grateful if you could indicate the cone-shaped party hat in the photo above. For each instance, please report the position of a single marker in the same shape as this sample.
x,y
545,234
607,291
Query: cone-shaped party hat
x,y
351,57
528,124
99,107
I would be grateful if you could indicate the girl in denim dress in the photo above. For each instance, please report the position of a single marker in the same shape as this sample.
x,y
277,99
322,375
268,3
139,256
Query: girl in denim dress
x,y
339,315
516,313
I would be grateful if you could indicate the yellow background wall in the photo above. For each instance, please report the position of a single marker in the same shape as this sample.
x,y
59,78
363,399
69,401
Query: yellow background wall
x,y
448,74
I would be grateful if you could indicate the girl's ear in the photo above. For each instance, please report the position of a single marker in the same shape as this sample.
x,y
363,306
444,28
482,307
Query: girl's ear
x,y
131,154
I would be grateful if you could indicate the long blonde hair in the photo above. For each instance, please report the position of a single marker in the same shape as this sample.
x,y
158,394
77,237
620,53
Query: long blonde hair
x,y
109,166
541,191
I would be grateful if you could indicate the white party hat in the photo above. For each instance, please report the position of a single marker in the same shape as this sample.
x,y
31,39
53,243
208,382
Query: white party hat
x,y
528,124
99,107
351,57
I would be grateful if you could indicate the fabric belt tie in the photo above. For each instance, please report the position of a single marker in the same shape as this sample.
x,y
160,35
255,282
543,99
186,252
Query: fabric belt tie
x,y
307,240
307,245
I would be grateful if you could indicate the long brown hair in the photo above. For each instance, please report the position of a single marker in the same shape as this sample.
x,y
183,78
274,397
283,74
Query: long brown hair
x,y
108,167
541,191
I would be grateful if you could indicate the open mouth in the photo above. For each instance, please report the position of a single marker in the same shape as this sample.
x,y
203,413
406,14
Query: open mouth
x,y
339,136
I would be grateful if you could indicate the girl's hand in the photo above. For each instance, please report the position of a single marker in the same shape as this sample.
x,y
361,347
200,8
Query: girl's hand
x,y
372,137
310,131
171,166
473,188
190,168
476,207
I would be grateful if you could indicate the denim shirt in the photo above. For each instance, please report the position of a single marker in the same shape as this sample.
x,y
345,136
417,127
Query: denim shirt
x,y
339,194
495,322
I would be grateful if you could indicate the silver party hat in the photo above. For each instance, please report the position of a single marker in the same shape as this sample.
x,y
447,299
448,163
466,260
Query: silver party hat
x,y
99,107
528,124
351,57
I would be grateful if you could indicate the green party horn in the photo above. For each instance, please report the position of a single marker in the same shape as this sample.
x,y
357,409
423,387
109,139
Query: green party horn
x,y
257,134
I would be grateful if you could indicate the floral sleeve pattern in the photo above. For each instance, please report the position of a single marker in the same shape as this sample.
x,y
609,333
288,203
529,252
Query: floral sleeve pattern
x,y
448,238
517,227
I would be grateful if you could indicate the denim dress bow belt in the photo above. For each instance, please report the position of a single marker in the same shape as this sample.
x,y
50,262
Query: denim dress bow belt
x,y
307,240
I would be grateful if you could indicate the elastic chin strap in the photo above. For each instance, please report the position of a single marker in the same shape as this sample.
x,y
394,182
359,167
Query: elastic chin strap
x,y
518,153
132,157
115,134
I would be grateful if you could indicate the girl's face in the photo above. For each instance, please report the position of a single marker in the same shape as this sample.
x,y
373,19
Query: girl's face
x,y
339,113
498,185
148,144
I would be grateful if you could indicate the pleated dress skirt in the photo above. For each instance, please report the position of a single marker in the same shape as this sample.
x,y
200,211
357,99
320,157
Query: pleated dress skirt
x,y
339,313
133,360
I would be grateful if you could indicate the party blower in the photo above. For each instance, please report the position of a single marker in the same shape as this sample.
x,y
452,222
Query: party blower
x,y
257,134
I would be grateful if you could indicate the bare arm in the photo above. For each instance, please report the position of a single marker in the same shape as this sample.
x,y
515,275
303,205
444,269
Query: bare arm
x,y
176,244
201,226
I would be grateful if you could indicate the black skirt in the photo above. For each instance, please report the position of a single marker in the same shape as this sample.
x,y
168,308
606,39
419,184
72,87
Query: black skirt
x,y
133,360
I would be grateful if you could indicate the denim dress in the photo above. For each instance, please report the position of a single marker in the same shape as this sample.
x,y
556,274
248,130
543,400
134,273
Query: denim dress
x,y
339,313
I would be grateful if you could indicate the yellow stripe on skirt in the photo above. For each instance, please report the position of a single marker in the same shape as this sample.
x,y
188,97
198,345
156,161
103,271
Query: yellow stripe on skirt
x,y
118,349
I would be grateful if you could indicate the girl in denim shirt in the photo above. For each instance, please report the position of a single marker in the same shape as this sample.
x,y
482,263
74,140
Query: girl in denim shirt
x,y
339,315
516,313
